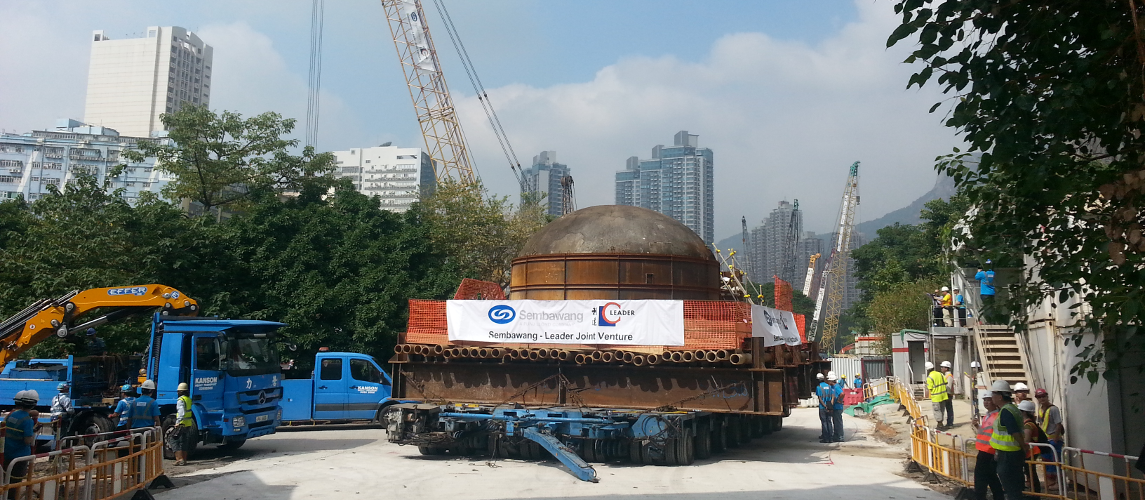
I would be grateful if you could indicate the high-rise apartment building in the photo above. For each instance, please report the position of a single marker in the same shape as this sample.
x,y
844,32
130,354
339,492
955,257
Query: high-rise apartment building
x,y
33,162
808,245
678,182
773,249
398,176
543,178
131,82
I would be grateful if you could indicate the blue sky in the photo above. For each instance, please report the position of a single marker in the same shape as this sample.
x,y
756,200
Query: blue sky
x,y
787,93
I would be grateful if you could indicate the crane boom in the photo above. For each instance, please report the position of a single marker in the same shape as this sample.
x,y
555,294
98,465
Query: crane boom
x,y
58,316
835,275
444,141
810,275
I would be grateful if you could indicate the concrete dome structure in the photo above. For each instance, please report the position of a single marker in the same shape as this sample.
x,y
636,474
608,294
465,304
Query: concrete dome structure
x,y
615,252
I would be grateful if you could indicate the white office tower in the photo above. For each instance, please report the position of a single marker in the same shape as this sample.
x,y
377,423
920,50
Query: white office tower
x,y
397,176
131,82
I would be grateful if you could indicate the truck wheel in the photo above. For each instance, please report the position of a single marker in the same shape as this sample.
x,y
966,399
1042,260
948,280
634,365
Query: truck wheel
x,y
686,448
635,449
232,444
703,444
430,450
169,437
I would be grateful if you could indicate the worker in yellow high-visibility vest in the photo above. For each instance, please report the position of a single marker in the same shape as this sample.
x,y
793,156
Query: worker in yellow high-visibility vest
x,y
1008,441
937,387
184,424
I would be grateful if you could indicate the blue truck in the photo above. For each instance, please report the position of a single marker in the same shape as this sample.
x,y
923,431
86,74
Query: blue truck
x,y
231,366
344,387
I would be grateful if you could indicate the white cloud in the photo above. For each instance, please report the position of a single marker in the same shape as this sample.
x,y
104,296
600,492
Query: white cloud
x,y
252,77
785,120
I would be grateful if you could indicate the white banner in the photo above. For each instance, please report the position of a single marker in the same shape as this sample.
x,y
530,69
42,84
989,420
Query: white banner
x,y
605,322
775,326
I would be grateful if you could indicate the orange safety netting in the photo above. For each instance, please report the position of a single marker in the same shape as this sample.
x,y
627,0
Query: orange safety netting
x,y
708,324
471,289
783,295
801,324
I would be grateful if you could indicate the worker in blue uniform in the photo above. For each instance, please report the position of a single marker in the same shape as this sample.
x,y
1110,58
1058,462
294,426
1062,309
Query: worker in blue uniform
x,y
826,402
20,433
837,411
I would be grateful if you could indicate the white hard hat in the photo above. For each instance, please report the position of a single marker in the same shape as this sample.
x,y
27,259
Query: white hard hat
x,y
974,364
946,364
946,289
32,394
183,387
929,365
1021,387
985,394
1001,386
820,376
148,385
831,377
1027,405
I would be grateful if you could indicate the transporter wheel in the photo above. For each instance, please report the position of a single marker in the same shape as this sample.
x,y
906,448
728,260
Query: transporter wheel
x,y
685,448
733,430
719,437
776,424
703,443
636,451
590,451
430,450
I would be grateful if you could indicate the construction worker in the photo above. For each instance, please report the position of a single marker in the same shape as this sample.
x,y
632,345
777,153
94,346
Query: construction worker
x,y
985,477
986,290
1021,392
1050,420
947,303
826,403
20,433
1009,441
837,409
123,407
1033,434
843,381
144,411
960,307
936,387
859,381
184,421
61,403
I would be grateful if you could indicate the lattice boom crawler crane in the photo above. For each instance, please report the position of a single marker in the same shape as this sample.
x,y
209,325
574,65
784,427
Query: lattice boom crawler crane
x,y
584,401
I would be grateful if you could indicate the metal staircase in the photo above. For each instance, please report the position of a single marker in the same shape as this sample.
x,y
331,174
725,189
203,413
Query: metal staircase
x,y
1002,352
1002,355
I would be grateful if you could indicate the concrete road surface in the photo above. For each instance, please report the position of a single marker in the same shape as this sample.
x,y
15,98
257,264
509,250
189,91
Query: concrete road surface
x,y
359,463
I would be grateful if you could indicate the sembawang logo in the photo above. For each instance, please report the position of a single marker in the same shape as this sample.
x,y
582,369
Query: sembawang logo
x,y
501,314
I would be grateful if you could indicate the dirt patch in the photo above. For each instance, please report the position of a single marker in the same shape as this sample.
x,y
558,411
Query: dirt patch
x,y
885,433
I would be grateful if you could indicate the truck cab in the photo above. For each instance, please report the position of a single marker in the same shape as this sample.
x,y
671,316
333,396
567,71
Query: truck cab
x,y
233,372
343,387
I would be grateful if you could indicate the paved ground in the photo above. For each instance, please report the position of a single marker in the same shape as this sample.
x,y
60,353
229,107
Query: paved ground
x,y
345,463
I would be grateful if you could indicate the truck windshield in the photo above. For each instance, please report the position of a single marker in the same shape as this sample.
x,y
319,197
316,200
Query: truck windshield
x,y
251,356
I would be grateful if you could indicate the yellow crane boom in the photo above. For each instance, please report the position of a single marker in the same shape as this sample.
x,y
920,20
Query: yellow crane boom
x,y
444,141
834,278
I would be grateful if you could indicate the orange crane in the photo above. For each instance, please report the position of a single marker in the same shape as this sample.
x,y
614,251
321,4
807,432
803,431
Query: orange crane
x,y
58,316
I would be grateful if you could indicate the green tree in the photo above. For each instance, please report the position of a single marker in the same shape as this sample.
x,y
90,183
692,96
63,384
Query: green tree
x,y
221,160
901,306
479,234
1050,98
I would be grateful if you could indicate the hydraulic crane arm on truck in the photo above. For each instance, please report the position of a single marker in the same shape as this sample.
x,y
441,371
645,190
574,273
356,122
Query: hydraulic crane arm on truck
x,y
59,316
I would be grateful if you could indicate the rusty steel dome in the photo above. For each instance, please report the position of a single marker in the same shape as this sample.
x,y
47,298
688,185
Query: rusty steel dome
x,y
615,252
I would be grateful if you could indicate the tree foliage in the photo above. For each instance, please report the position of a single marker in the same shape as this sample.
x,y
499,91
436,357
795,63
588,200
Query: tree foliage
x,y
900,306
1050,97
222,160
480,234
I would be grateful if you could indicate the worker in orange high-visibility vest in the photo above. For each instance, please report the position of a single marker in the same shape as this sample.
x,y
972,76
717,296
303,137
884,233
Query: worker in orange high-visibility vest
x,y
985,477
